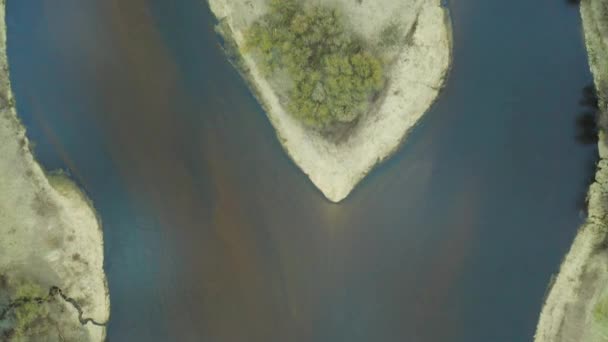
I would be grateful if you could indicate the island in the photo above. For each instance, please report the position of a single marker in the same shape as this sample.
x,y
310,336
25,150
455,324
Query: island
x,y
52,282
576,306
342,81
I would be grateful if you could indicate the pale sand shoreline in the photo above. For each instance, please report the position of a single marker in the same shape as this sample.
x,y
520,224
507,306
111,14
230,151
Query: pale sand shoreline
x,y
50,232
583,276
414,83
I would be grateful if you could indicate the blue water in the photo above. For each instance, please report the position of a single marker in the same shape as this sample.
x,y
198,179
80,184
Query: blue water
x,y
212,234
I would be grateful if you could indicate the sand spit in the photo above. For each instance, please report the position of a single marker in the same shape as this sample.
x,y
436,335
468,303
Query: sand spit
x,y
414,81
49,233
583,277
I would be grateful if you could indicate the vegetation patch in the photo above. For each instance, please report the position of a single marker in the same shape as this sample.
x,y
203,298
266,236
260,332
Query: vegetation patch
x,y
30,316
333,75
29,312
600,315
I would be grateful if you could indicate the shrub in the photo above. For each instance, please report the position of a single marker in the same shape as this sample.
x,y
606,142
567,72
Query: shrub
x,y
334,75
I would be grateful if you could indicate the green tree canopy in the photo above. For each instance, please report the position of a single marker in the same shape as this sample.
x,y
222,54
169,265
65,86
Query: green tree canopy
x,y
334,75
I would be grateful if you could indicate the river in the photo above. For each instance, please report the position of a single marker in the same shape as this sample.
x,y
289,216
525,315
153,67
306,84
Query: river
x,y
213,234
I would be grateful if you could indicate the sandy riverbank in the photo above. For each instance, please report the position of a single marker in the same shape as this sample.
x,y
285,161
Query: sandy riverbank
x,y
50,233
415,78
567,314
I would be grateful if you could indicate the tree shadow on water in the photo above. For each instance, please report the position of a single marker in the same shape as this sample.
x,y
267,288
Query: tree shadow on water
x,y
587,133
587,121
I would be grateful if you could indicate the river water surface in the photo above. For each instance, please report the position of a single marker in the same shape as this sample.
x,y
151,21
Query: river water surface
x,y
213,234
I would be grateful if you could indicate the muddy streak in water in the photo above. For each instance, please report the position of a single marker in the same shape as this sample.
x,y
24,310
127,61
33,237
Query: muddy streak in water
x,y
227,281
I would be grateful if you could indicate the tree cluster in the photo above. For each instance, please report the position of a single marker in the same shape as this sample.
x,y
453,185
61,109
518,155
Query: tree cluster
x,y
334,76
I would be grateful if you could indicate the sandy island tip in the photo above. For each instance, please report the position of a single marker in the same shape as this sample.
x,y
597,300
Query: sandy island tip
x,y
350,102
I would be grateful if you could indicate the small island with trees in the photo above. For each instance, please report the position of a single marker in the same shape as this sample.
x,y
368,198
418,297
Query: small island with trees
x,y
342,81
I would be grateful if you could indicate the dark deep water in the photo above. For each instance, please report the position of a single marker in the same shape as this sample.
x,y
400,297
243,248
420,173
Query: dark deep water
x,y
212,234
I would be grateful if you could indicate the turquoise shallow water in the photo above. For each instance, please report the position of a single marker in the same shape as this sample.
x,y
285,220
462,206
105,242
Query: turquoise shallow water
x,y
212,234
